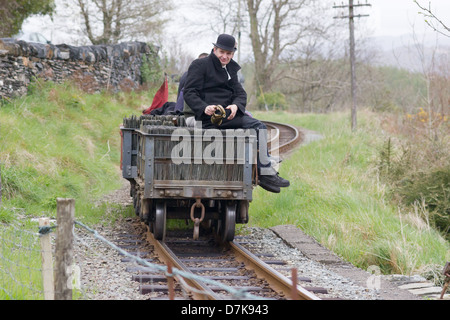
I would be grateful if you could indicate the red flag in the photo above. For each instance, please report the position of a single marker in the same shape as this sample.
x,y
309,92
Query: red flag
x,y
160,98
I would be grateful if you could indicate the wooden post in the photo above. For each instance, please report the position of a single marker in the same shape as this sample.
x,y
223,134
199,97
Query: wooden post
x,y
352,62
351,16
446,273
47,261
170,282
64,249
294,292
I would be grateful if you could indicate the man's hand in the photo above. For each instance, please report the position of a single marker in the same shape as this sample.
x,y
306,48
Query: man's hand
x,y
233,109
209,110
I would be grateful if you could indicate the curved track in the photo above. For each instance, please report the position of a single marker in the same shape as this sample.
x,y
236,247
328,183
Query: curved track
x,y
283,137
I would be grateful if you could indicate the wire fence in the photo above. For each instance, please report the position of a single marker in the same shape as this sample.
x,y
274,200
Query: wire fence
x,y
20,261
30,264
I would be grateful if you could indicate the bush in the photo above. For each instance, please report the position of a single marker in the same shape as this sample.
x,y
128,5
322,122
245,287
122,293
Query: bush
x,y
417,167
151,69
273,101
432,188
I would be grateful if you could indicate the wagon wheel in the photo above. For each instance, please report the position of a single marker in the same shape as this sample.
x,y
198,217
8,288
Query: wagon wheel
x,y
159,224
227,224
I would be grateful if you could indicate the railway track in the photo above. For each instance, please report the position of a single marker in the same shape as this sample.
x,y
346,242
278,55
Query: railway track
x,y
216,270
235,271
211,270
283,137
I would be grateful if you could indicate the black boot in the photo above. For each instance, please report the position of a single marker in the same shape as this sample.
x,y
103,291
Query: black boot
x,y
267,185
273,182
283,182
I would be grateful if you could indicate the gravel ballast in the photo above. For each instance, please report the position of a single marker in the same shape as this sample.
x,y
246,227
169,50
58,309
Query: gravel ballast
x,y
103,276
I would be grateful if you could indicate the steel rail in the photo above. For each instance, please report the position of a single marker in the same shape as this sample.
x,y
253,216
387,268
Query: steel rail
x,y
202,291
283,147
277,281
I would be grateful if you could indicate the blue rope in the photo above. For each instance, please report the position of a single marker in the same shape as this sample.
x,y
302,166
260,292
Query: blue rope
x,y
239,293
46,230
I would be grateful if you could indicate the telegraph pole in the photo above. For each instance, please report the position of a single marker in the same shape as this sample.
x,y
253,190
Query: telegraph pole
x,y
351,17
239,31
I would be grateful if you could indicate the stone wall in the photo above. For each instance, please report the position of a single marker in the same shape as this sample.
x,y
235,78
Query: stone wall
x,y
115,67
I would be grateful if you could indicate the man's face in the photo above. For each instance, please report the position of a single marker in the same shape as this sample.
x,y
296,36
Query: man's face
x,y
223,55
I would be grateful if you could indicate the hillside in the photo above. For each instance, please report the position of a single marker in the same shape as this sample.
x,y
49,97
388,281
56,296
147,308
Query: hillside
x,y
59,142
415,53
338,196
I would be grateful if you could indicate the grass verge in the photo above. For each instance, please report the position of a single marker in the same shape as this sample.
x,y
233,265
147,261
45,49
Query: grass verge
x,y
337,197
60,142
55,142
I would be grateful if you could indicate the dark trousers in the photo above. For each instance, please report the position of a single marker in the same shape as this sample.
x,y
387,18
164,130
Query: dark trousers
x,y
246,122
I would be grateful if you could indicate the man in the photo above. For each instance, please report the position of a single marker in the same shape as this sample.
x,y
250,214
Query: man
x,y
213,81
180,99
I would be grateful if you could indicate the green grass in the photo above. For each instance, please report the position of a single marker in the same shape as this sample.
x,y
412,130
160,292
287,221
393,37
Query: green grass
x,y
20,262
55,142
336,197
60,142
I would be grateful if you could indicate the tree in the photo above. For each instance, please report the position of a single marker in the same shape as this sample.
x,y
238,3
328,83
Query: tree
x,y
111,21
276,26
225,15
435,23
273,27
14,12
285,37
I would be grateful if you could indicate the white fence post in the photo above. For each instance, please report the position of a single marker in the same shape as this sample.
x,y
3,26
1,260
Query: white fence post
x,y
47,261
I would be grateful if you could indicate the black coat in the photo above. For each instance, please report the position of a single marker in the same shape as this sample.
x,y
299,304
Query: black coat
x,y
207,84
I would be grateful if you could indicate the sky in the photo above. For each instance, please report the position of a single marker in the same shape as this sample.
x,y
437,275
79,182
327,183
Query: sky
x,y
396,17
386,18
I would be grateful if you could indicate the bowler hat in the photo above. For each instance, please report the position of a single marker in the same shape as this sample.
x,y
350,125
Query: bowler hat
x,y
226,42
